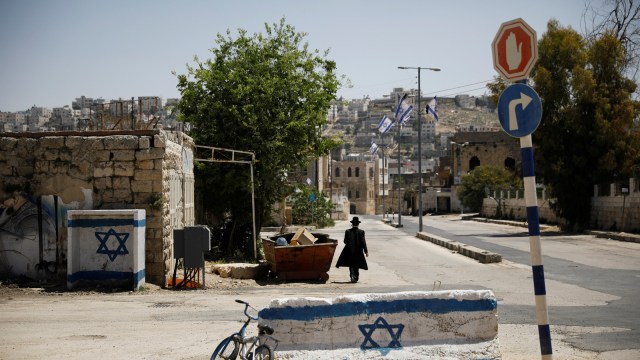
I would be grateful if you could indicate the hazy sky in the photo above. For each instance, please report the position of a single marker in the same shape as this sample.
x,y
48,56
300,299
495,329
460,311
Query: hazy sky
x,y
54,51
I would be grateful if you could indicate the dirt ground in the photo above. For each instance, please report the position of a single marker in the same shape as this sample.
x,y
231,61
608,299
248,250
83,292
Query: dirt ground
x,y
516,341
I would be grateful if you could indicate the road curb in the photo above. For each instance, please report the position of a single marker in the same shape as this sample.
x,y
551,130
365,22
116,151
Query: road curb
x,y
483,256
615,236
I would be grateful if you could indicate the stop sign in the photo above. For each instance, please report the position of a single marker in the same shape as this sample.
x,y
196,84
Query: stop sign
x,y
515,50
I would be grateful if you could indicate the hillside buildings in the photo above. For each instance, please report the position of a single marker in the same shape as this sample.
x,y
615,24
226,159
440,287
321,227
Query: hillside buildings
x,y
357,180
379,182
87,113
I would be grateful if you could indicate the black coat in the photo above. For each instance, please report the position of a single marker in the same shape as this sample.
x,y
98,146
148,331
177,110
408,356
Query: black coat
x,y
355,246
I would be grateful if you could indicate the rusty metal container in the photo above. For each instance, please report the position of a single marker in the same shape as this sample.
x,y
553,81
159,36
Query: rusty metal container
x,y
300,262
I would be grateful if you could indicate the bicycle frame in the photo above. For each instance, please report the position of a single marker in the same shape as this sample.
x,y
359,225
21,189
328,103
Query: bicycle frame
x,y
246,345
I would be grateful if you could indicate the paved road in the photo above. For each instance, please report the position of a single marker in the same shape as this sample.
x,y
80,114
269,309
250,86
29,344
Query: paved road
x,y
587,287
602,266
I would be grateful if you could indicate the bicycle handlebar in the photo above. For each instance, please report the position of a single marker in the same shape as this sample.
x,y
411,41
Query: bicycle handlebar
x,y
246,307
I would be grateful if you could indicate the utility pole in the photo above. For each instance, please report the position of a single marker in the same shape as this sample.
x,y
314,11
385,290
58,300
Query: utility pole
x,y
419,143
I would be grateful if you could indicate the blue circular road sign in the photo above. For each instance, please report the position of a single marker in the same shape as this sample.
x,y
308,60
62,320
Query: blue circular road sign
x,y
519,110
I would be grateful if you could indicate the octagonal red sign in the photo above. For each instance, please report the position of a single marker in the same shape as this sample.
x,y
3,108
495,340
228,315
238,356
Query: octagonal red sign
x,y
515,50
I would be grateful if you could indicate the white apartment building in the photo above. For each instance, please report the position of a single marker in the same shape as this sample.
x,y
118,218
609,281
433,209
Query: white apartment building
x,y
63,118
14,118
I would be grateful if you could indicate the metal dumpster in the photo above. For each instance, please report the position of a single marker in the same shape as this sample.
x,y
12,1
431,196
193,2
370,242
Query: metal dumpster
x,y
300,262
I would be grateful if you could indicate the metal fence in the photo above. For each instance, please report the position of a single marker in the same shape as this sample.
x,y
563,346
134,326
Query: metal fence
x,y
142,114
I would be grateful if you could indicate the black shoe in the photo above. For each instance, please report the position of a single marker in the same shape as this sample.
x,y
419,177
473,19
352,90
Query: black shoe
x,y
353,279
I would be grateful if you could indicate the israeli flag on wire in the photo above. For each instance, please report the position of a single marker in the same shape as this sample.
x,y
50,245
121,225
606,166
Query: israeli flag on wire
x,y
373,149
385,124
403,110
432,108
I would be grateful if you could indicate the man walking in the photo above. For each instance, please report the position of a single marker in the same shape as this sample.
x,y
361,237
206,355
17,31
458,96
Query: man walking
x,y
355,249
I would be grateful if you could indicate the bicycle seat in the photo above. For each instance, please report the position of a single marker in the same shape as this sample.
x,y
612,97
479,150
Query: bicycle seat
x,y
265,329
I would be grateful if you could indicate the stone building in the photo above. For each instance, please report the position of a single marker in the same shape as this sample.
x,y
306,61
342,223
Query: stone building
x,y
357,175
472,149
43,175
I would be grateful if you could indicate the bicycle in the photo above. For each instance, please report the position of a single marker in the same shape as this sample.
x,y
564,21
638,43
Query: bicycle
x,y
247,347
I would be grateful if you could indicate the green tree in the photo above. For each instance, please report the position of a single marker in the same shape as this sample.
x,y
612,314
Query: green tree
x,y
586,135
473,185
306,212
267,93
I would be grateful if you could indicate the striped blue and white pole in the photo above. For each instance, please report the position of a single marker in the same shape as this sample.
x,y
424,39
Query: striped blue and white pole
x,y
533,220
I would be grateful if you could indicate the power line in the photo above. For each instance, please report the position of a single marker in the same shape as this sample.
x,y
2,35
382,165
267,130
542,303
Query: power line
x,y
411,83
463,86
464,92
383,84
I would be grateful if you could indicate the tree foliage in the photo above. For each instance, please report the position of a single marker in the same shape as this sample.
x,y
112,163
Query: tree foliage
x,y
306,212
586,135
267,93
474,184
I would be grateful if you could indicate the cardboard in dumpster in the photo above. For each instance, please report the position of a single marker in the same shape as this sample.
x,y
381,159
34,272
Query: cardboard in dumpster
x,y
303,237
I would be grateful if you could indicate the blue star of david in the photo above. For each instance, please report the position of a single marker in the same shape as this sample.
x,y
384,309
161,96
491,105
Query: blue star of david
x,y
103,249
380,323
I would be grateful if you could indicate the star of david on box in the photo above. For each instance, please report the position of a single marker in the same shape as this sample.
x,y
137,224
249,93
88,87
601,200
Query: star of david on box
x,y
103,248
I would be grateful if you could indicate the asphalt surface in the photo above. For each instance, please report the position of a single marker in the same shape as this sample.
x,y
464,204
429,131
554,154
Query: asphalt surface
x,y
623,312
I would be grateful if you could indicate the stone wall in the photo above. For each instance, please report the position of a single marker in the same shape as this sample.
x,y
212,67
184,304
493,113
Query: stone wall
x,y
517,209
51,173
617,211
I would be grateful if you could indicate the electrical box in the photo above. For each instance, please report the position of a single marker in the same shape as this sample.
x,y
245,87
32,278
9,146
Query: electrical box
x,y
197,240
190,244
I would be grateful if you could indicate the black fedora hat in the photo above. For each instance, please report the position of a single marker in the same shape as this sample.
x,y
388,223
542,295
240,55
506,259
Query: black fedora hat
x,y
355,220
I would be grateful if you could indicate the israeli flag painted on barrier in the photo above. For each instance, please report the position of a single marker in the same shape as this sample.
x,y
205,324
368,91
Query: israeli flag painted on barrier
x,y
432,108
385,124
403,110
390,320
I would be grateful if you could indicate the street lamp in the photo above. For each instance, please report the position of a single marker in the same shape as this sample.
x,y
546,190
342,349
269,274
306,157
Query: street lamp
x,y
419,140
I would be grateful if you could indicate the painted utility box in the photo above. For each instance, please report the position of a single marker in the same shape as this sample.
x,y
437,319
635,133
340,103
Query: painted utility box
x,y
106,246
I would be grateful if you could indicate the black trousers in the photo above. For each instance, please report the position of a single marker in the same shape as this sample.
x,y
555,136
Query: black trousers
x,y
354,273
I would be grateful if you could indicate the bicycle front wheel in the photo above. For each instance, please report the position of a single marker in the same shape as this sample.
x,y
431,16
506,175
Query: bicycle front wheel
x,y
227,349
263,352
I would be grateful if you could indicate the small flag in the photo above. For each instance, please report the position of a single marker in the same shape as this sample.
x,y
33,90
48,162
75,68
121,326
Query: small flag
x,y
373,149
432,108
403,110
385,124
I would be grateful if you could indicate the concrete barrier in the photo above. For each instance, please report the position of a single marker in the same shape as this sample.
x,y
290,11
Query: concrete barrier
x,y
375,321
483,256
106,246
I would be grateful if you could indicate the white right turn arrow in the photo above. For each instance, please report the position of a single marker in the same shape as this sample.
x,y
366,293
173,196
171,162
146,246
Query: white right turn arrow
x,y
524,100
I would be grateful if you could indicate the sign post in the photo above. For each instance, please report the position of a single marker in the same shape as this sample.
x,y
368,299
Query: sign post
x,y
515,52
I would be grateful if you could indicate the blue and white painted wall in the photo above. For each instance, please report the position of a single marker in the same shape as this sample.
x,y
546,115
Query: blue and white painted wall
x,y
106,245
376,321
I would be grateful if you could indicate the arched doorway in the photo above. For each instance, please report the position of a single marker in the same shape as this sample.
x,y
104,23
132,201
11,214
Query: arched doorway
x,y
474,162
510,163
